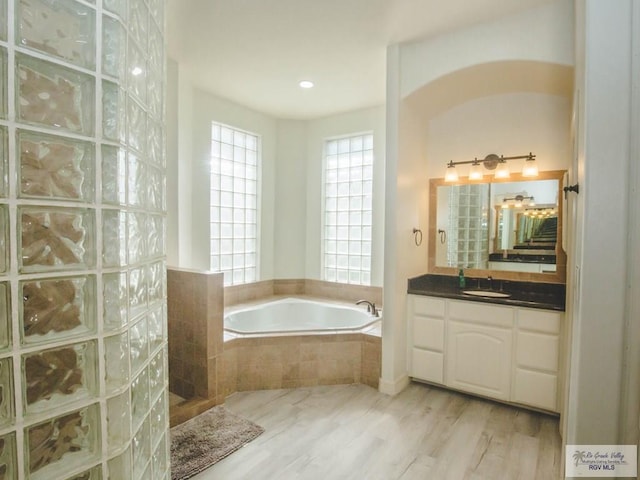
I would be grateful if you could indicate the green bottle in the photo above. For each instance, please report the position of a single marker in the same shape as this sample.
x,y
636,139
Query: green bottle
x,y
462,281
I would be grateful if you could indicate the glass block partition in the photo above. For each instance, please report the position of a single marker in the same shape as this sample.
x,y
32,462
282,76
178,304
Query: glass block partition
x,y
83,337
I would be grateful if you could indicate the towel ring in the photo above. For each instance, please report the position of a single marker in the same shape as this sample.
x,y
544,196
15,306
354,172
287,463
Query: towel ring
x,y
417,236
443,236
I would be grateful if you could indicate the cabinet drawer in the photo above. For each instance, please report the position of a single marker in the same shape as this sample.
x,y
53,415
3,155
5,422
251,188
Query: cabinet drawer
x,y
426,365
428,333
536,389
476,312
434,307
537,350
539,320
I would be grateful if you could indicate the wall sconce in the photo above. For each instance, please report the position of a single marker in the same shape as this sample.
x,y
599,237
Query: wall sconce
x,y
492,162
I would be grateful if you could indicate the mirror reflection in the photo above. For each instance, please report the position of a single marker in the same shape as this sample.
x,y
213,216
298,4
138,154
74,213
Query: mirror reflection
x,y
507,226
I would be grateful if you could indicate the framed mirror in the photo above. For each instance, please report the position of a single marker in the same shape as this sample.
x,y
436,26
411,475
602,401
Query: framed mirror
x,y
509,229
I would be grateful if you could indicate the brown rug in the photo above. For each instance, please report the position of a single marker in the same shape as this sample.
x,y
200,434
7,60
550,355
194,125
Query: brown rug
x,y
206,439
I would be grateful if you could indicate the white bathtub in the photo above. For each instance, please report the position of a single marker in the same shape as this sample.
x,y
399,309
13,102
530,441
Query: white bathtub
x,y
296,315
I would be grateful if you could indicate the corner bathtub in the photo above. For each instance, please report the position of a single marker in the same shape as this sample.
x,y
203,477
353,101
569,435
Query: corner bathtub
x,y
296,315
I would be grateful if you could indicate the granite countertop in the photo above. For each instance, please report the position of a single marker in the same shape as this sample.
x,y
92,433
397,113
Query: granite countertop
x,y
548,296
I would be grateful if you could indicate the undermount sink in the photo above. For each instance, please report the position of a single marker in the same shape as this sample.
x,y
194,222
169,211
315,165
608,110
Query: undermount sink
x,y
486,293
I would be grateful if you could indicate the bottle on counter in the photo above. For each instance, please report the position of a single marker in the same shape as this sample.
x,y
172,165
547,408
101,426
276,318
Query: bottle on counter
x,y
461,280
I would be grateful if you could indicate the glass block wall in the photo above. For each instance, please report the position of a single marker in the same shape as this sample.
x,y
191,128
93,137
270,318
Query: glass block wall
x,y
83,342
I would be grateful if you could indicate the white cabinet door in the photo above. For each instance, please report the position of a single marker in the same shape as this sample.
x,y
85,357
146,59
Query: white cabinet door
x,y
479,359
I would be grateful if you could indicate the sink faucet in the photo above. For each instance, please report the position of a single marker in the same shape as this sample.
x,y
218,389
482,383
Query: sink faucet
x,y
371,307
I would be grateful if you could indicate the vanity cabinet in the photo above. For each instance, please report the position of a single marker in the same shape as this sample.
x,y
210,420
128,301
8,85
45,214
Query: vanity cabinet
x,y
502,352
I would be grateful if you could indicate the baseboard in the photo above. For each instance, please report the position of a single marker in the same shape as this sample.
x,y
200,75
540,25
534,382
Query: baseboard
x,y
393,387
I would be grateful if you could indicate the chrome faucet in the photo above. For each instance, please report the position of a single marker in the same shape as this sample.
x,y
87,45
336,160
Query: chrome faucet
x,y
371,307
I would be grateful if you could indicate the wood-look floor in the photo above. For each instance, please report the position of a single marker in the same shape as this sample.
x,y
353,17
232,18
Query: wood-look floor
x,y
354,432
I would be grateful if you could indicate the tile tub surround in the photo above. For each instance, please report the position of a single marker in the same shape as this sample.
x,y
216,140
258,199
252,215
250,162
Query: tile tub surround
x,y
206,365
316,288
195,303
257,362
293,361
83,337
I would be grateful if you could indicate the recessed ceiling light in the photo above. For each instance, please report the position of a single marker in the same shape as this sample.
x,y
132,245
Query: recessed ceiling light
x,y
136,71
306,84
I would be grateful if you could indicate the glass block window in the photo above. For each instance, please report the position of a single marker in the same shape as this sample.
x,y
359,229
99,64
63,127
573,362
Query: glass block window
x,y
348,187
235,162
468,245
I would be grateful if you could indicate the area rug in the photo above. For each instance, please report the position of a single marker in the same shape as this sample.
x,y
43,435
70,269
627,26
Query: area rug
x,y
206,439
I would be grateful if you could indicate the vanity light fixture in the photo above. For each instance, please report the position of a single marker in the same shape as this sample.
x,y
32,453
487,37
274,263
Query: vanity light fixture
x,y
539,212
492,162
517,201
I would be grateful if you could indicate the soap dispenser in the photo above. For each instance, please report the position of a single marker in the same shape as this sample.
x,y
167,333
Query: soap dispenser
x,y
461,280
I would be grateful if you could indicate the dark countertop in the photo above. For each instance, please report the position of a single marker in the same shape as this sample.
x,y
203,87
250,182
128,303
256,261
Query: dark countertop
x,y
548,296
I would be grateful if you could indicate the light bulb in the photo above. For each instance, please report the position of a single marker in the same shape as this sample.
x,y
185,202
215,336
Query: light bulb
x,y
530,168
451,174
476,172
502,171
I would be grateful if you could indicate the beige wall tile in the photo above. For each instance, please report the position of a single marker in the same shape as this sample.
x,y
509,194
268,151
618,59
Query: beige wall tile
x,y
195,302
289,287
309,369
290,372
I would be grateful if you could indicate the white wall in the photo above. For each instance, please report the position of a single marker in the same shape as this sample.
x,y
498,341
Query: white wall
x,y
171,118
511,124
371,119
290,214
406,208
179,158
602,299
542,34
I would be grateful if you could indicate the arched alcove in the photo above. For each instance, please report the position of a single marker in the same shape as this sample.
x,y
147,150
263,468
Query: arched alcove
x,y
489,79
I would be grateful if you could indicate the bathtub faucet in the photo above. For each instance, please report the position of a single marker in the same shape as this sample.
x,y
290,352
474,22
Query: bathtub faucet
x,y
371,307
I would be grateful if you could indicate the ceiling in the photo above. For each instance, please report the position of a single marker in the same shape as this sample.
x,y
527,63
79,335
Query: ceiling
x,y
254,52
